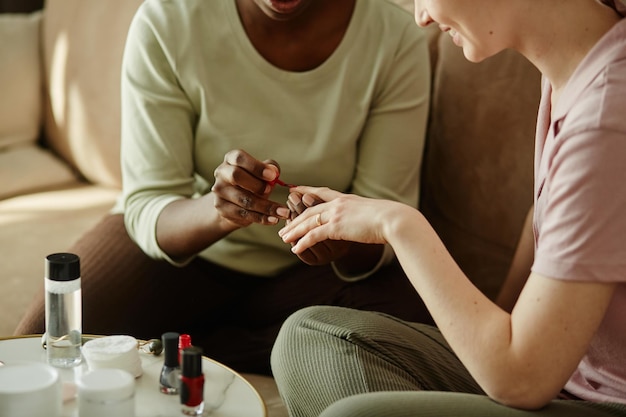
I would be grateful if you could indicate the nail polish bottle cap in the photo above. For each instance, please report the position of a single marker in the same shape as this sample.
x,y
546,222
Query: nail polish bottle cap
x,y
192,362
62,267
170,347
184,341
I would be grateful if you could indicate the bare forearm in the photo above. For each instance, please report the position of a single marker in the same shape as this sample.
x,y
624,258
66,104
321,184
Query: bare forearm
x,y
464,315
515,359
520,267
186,227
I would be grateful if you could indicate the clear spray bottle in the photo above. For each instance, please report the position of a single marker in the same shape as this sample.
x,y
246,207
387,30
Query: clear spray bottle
x,y
63,310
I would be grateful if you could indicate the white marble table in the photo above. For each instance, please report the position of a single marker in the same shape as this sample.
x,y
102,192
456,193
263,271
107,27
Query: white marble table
x,y
226,393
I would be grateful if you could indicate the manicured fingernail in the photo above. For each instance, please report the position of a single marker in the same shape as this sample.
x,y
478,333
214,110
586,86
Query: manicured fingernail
x,y
283,212
269,174
295,199
308,200
272,219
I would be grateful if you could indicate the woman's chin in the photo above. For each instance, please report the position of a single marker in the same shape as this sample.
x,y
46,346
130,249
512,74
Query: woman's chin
x,y
473,55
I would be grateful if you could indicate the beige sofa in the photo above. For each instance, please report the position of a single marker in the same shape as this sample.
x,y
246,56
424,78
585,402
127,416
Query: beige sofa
x,y
59,146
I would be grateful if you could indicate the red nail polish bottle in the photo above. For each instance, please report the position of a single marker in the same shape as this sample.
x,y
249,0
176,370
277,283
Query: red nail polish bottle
x,y
192,382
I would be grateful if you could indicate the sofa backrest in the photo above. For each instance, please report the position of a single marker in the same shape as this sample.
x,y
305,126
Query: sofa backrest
x,y
477,177
83,42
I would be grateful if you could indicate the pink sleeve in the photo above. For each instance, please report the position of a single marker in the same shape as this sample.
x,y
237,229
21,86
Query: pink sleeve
x,y
580,219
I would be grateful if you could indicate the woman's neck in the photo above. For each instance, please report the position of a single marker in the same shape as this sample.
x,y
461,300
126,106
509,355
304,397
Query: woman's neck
x,y
302,43
561,34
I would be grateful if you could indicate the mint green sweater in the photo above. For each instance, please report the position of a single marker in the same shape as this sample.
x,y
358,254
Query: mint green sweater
x,y
194,87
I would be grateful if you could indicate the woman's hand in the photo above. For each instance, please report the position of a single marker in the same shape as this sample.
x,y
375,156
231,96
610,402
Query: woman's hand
x,y
323,252
239,197
241,190
336,216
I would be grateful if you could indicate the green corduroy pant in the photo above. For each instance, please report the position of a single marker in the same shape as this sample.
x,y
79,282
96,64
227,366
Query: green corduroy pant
x,y
339,362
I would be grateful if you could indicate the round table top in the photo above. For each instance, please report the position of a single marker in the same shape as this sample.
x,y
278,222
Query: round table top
x,y
226,393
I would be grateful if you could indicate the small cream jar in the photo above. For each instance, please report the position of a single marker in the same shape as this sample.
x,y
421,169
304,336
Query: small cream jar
x,y
106,393
29,389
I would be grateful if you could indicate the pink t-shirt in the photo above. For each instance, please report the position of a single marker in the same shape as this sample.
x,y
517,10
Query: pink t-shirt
x,y
580,202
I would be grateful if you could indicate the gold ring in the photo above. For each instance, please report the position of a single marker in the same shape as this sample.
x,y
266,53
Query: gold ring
x,y
318,219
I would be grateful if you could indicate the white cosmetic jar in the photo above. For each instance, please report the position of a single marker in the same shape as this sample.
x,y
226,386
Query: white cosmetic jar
x,y
30,389
106,393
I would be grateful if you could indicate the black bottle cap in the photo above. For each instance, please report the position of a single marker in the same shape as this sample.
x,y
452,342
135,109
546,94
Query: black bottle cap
x,y
62,267
191,359
170,346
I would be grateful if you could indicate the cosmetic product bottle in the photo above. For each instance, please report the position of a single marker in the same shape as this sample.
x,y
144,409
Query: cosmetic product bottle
x,y
192,382
169,380
63,310
184,341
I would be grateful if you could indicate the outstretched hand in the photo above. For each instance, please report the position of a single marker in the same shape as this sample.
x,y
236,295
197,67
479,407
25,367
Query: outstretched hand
x,y
335,217
324,252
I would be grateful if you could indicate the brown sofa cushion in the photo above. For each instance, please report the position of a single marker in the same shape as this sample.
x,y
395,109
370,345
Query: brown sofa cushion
x,y
83,47
24,166
20,79
482,123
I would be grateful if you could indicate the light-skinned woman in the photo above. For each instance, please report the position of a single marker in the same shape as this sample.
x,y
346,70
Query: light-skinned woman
x,y
561,349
